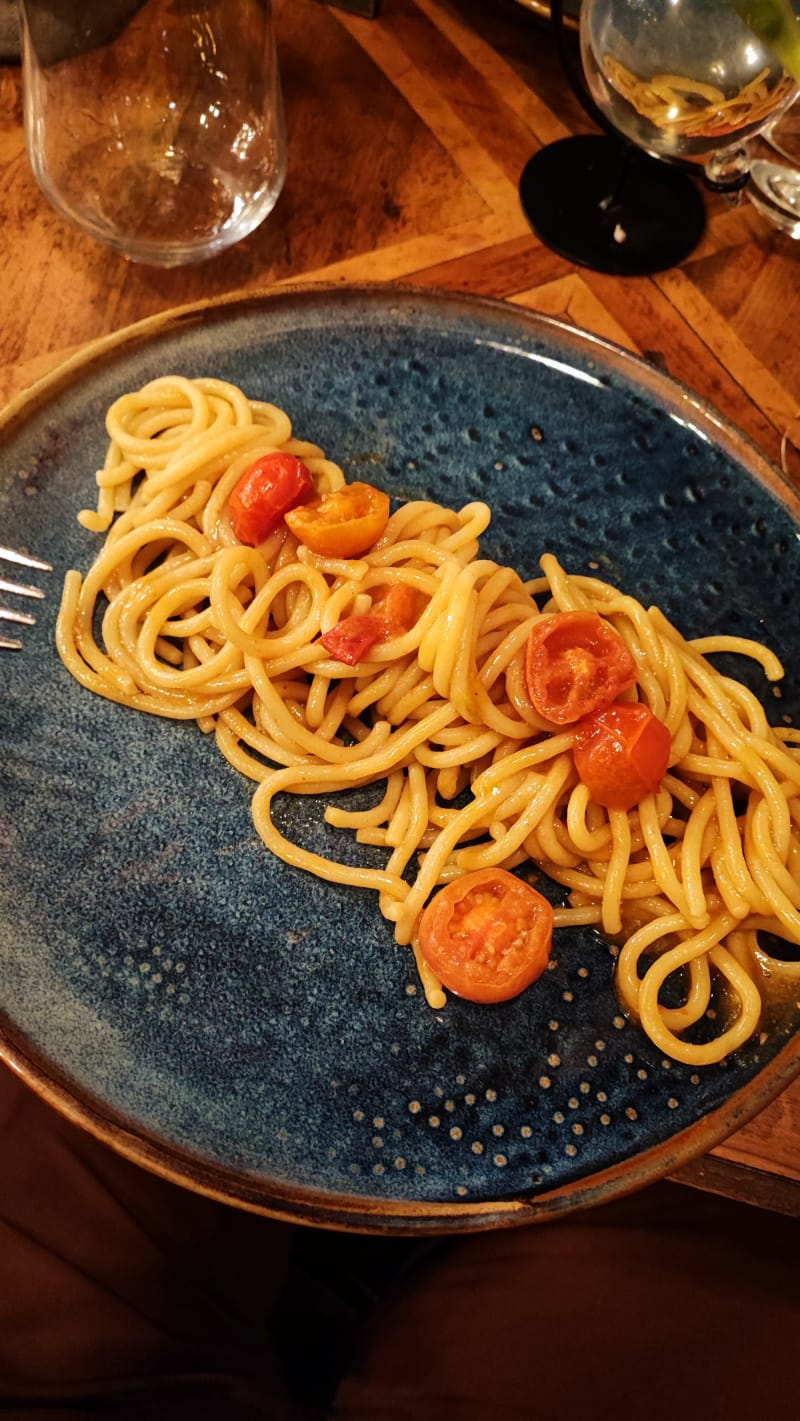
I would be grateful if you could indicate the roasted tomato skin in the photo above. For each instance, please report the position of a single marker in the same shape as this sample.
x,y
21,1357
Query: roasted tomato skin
x,y
343,524
398,606
272,486
575,663
621,753
395,608
352,638
487,935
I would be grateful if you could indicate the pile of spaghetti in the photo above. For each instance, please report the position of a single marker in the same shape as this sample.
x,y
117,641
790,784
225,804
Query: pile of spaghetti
x,y
197,625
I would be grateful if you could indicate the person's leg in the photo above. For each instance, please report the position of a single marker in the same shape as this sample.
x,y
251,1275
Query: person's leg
x,y
670,1304
122,1294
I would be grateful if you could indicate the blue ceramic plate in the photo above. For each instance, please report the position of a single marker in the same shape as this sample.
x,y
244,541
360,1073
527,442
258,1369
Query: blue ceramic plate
x,y
253,1032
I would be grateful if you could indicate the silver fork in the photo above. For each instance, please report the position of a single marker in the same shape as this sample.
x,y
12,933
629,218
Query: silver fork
x,y
19,589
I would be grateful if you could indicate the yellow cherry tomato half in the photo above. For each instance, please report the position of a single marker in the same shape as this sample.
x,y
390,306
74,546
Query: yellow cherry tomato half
x,y
343,524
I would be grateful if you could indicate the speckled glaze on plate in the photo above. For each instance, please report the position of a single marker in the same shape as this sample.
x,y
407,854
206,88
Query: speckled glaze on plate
x,y
250,1031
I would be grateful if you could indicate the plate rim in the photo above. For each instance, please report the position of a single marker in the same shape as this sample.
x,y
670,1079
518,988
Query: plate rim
x,y
27,402
353,1213
321,1207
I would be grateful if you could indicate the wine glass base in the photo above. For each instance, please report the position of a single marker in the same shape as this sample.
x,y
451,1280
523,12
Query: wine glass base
x,y
774,191
605,204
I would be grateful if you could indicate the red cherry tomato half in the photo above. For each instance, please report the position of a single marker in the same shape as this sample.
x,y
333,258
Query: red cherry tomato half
x,y
352,638
343,524
575,662
395,609
487,935
621,754
271,487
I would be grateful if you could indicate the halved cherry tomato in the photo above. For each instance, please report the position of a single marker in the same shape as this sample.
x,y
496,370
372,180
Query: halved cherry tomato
x,y
575,662
344,523
352,638
621,754
487,935
398,606
265,492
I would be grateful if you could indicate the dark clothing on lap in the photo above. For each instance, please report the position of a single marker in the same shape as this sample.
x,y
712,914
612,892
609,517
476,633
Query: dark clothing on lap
x,y
124,1296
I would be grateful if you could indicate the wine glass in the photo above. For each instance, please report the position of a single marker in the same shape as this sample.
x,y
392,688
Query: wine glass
x,y
687,79
774,186
678,87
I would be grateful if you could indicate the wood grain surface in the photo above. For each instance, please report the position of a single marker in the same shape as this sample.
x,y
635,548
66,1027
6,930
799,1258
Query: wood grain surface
x,y
407,136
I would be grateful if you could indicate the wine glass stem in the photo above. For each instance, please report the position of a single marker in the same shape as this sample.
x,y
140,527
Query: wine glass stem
x,y
614,203
728,169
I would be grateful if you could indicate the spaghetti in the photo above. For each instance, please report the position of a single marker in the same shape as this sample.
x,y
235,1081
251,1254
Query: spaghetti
x,y
195,625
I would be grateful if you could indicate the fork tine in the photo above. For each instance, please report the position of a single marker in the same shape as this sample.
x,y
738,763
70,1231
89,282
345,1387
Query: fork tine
x,y
7,615
24,559
21,589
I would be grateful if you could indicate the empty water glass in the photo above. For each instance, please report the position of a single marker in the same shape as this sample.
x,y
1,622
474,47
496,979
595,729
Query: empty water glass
x,y
155,125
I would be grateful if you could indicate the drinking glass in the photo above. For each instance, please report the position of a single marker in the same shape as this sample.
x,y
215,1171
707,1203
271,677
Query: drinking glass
x,y
683,79
155,125
774,186
678,89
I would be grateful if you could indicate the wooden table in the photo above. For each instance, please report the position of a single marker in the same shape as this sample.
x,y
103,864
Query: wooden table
x,y
407,136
